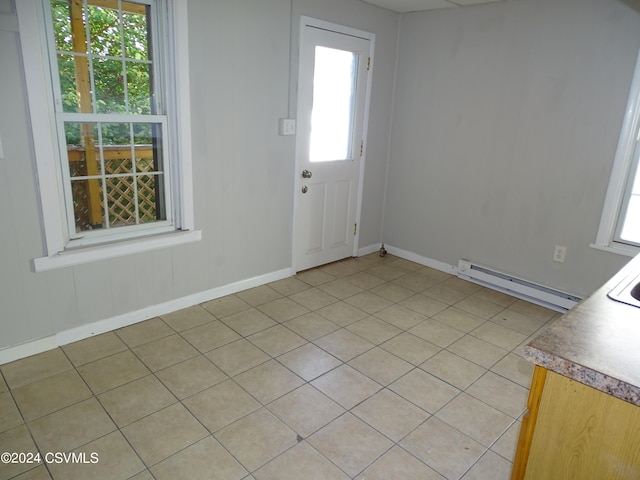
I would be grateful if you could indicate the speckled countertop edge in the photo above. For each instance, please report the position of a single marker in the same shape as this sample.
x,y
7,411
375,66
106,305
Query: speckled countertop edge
x,y
584,375
596,342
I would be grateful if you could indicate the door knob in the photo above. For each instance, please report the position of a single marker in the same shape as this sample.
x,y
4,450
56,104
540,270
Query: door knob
x,y
306,174
304,189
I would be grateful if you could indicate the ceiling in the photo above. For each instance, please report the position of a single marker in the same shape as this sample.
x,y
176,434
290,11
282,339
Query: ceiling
x,y
404,6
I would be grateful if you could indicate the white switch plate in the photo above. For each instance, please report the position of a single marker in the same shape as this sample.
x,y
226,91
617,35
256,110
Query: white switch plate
x,y
287,126
1,149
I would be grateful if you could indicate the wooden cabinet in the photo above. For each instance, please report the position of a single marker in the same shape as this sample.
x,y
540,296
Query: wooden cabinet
x,y
573,431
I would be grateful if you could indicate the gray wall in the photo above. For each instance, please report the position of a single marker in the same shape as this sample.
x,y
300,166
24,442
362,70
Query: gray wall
x,y
505,126
505,123
240,52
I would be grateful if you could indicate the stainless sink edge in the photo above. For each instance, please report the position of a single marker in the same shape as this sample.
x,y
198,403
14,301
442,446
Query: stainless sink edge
x,y
622,291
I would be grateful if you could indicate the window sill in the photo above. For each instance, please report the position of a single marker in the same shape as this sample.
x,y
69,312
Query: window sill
x,y
91,254
619,249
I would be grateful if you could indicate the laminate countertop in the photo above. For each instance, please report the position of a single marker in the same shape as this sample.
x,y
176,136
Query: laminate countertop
x,y
596,343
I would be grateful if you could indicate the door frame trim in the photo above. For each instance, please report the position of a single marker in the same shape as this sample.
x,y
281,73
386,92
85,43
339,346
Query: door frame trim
x,y
306,21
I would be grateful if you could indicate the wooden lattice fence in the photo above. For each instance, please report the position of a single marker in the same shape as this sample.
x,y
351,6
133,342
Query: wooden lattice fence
x,y
121,194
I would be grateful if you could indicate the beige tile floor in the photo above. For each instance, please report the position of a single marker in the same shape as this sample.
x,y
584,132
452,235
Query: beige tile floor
x,y
368,368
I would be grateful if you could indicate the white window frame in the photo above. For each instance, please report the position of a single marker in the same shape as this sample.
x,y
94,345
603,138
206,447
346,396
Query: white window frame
x,y
628,146
31,21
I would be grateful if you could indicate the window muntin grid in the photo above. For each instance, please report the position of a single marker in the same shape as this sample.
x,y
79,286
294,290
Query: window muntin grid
x,y
104,67
113,138
120,181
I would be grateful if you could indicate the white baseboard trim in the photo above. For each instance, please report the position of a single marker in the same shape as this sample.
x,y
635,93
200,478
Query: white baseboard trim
x,y
426,261
455,270
369,249
16,352
22,350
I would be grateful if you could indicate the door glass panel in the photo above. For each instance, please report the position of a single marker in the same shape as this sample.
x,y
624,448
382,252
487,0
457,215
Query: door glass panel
x,y
334,93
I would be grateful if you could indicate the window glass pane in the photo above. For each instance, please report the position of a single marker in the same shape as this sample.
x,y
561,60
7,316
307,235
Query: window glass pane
x,y
631,230
148,148
334,84
62,23
109,86
83,155
149,166
149,207
88,207
139,88
69,20
144,133
106,63
68,86
82,151
136,37
104,28
144,160
121,201
116,133
631,227
116,147
134,190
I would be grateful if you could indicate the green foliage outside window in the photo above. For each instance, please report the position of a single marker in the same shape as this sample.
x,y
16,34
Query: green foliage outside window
x,y
120,55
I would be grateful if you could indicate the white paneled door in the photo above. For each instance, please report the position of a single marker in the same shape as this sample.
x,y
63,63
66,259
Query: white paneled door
x,y
333,84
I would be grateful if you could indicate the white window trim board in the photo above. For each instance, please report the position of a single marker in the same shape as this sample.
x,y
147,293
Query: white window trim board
x,y
182,98
45,145
33,44
104,252
619,173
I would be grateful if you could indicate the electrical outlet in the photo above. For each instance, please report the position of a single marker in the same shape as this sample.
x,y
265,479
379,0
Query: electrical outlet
x,y
559,253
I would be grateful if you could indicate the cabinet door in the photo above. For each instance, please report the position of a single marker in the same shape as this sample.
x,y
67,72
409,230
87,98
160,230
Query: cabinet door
x,y
582,433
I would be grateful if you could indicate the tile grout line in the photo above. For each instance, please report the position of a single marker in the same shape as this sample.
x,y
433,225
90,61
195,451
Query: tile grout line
x,y
375,345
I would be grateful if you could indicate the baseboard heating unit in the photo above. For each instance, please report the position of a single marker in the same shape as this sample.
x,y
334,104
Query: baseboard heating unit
x,y
517,287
